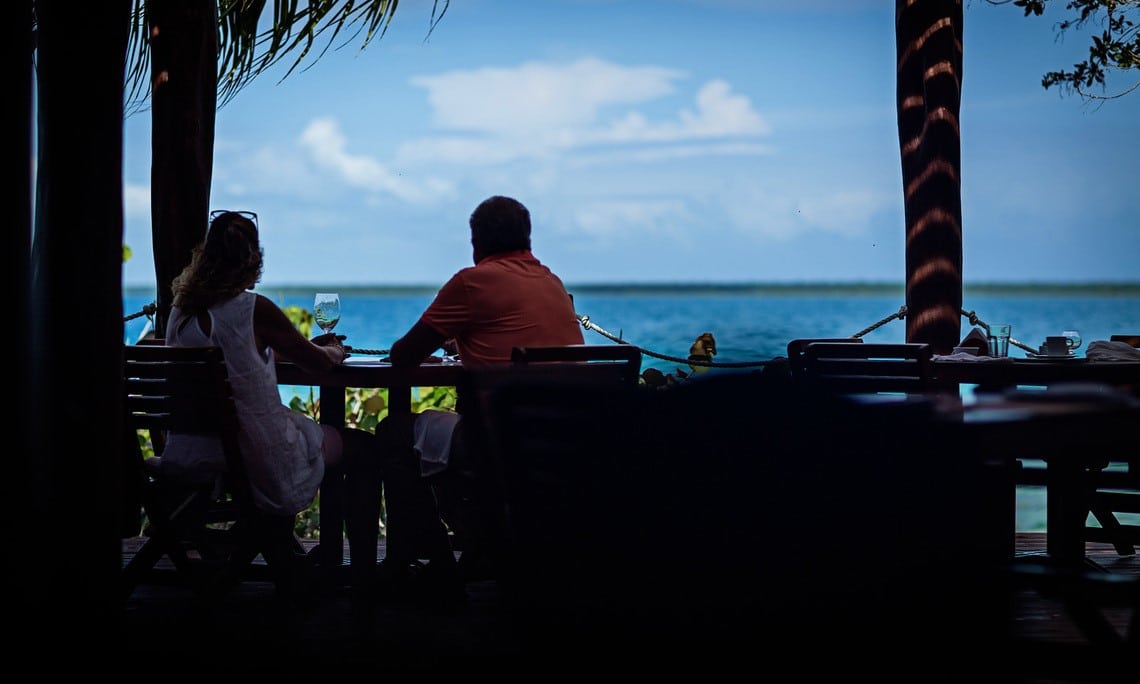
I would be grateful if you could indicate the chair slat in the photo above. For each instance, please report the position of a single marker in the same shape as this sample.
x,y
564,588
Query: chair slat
x,y
869,367
187,390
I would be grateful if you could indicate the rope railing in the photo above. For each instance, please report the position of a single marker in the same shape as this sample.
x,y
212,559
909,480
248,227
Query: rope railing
x,y
369,352
970,316
900,314
589,325
148,310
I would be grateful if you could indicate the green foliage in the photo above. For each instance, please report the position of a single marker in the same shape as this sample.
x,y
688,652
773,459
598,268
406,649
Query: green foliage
x,y
364,408
1115,49
126,254
301,318
145,443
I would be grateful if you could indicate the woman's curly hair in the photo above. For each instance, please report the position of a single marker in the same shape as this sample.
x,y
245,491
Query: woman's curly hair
x,y
226,263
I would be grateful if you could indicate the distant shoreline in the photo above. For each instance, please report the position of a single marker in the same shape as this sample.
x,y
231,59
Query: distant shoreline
x,y
1105,289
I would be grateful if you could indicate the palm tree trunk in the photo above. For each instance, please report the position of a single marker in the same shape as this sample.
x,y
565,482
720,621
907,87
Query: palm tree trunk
x,y
184,59
928,36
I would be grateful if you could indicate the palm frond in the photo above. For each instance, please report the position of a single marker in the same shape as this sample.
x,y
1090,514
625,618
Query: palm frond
x,y
246,51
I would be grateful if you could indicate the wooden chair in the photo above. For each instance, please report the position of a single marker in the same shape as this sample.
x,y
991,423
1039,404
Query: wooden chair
x,y
476,494
796,351
620,363
211,533
869,367
1116,493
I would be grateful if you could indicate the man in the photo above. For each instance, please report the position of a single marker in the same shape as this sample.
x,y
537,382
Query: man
x,y
507,299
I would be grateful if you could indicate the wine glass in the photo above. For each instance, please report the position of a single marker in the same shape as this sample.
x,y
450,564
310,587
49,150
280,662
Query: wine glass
x,y
326,310
1074,337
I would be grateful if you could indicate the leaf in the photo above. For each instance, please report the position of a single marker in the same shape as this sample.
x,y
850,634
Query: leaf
x,y
375,404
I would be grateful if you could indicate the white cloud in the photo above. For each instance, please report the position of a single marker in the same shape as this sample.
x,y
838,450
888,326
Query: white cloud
x,y
536,110
626,217
537,96
719,114
136,201
846,212
656,154
323,139
772,213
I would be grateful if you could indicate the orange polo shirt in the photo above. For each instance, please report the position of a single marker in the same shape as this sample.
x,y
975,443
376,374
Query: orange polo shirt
x,y
506,300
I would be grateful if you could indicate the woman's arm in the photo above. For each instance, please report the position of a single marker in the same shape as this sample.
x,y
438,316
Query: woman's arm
x,y
274,329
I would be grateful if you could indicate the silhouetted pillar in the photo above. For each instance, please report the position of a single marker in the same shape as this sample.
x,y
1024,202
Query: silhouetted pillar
x,y
74,333
17,74
928,35
184,66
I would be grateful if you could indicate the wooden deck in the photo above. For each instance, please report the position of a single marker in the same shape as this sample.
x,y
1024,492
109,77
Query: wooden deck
x,y
252,630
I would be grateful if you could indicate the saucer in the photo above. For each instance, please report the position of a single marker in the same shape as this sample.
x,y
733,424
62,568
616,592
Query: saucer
x,y
1030,356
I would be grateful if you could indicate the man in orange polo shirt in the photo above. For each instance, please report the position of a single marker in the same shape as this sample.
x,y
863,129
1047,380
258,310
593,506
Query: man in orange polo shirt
x,y
507,299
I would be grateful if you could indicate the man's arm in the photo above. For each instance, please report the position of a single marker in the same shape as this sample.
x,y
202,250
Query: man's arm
x,y
416,345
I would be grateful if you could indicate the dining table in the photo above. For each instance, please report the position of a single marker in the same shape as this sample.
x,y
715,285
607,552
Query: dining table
x,y
1062,420
358,372
1072,428
987,372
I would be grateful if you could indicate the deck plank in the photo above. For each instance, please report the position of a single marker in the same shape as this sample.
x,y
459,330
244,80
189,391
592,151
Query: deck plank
x,y
251,619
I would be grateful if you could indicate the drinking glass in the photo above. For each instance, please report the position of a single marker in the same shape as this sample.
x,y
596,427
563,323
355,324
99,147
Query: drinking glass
x,y
998,339
326,310
1074,337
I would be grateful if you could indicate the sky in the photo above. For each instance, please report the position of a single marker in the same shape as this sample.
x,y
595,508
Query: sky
x,y
661,141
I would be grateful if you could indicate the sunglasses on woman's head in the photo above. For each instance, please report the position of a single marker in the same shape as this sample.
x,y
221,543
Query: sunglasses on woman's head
x,y
252,216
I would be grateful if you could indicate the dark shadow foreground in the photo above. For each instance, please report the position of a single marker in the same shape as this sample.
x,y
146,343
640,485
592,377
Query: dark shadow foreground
x,y
707,518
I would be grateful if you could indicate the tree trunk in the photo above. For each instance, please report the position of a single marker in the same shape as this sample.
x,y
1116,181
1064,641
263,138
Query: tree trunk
x,y
928,36
72,556
184,65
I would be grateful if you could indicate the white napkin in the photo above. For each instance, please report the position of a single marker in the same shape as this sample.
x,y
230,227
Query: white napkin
x,y
432,434
973,358
1101,350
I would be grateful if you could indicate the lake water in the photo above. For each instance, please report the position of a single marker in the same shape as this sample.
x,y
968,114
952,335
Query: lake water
x,y
749,323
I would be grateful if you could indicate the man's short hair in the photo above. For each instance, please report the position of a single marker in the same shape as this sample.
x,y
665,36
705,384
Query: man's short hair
x,y
500,224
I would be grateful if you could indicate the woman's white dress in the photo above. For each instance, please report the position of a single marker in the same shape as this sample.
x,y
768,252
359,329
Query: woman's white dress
x,y
282,448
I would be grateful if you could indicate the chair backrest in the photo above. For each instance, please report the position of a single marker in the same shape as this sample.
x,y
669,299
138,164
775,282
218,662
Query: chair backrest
x,y
211,534
1133,340
796,350
870,367
622,362
578,365
184,389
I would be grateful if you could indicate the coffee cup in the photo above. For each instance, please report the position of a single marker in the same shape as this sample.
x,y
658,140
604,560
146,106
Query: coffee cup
x,y
1055,345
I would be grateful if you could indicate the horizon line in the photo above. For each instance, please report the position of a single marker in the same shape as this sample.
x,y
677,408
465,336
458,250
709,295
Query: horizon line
x,y
721,286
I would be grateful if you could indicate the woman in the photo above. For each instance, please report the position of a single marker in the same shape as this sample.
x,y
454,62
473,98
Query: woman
x,y
286,452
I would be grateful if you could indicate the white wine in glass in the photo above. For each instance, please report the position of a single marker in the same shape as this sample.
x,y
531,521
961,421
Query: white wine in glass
x,y
326,310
